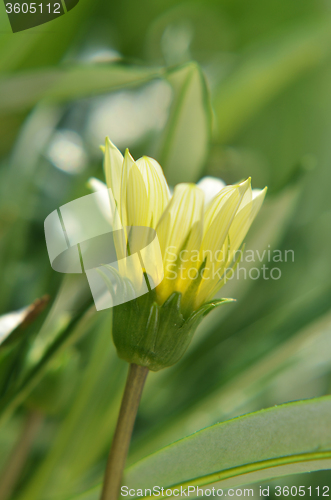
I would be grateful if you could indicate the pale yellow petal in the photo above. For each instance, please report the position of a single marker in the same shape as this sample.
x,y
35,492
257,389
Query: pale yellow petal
x,y
134,213
244,218
220,214
188,264
156,187
214,207
128,162
113,164
179,229
184,209
247,198
162,230
214,249
241,222
136,199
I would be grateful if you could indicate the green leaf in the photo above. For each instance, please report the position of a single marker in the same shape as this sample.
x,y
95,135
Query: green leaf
x,y
286,435
76,444
61,328
300,359
186,137
266,71
12,324
23,90
278,441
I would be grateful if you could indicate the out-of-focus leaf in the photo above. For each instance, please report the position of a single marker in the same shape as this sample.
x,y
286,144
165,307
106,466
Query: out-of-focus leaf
x,y
23,90
41,45
185,142
18,330
278,441
265,72
92,494
12,324
61,328
299,360
77,445
17,194
13,49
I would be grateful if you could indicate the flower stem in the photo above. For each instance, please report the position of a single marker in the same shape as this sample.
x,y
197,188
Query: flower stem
x,y
122,437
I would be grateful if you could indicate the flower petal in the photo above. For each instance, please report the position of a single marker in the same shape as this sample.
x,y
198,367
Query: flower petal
x,y
113,165
244,218
136,199
128,162
180,228
157,189
215,245
216,207
184,209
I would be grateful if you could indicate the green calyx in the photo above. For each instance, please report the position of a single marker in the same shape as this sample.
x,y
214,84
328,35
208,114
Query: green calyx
x,y
155,336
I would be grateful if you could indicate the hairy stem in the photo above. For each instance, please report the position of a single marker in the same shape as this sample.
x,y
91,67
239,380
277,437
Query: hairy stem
x,y
122,437
18,457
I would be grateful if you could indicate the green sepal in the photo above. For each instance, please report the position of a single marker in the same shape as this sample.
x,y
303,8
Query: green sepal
x,y
155,336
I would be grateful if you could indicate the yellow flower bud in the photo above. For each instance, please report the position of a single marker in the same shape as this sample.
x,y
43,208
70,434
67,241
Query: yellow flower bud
x,y
198,238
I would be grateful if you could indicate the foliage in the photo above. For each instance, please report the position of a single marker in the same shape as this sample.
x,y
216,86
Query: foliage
x,y
243,90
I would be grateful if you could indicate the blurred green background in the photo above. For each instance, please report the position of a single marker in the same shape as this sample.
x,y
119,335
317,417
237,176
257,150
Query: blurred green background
x,y
224,88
